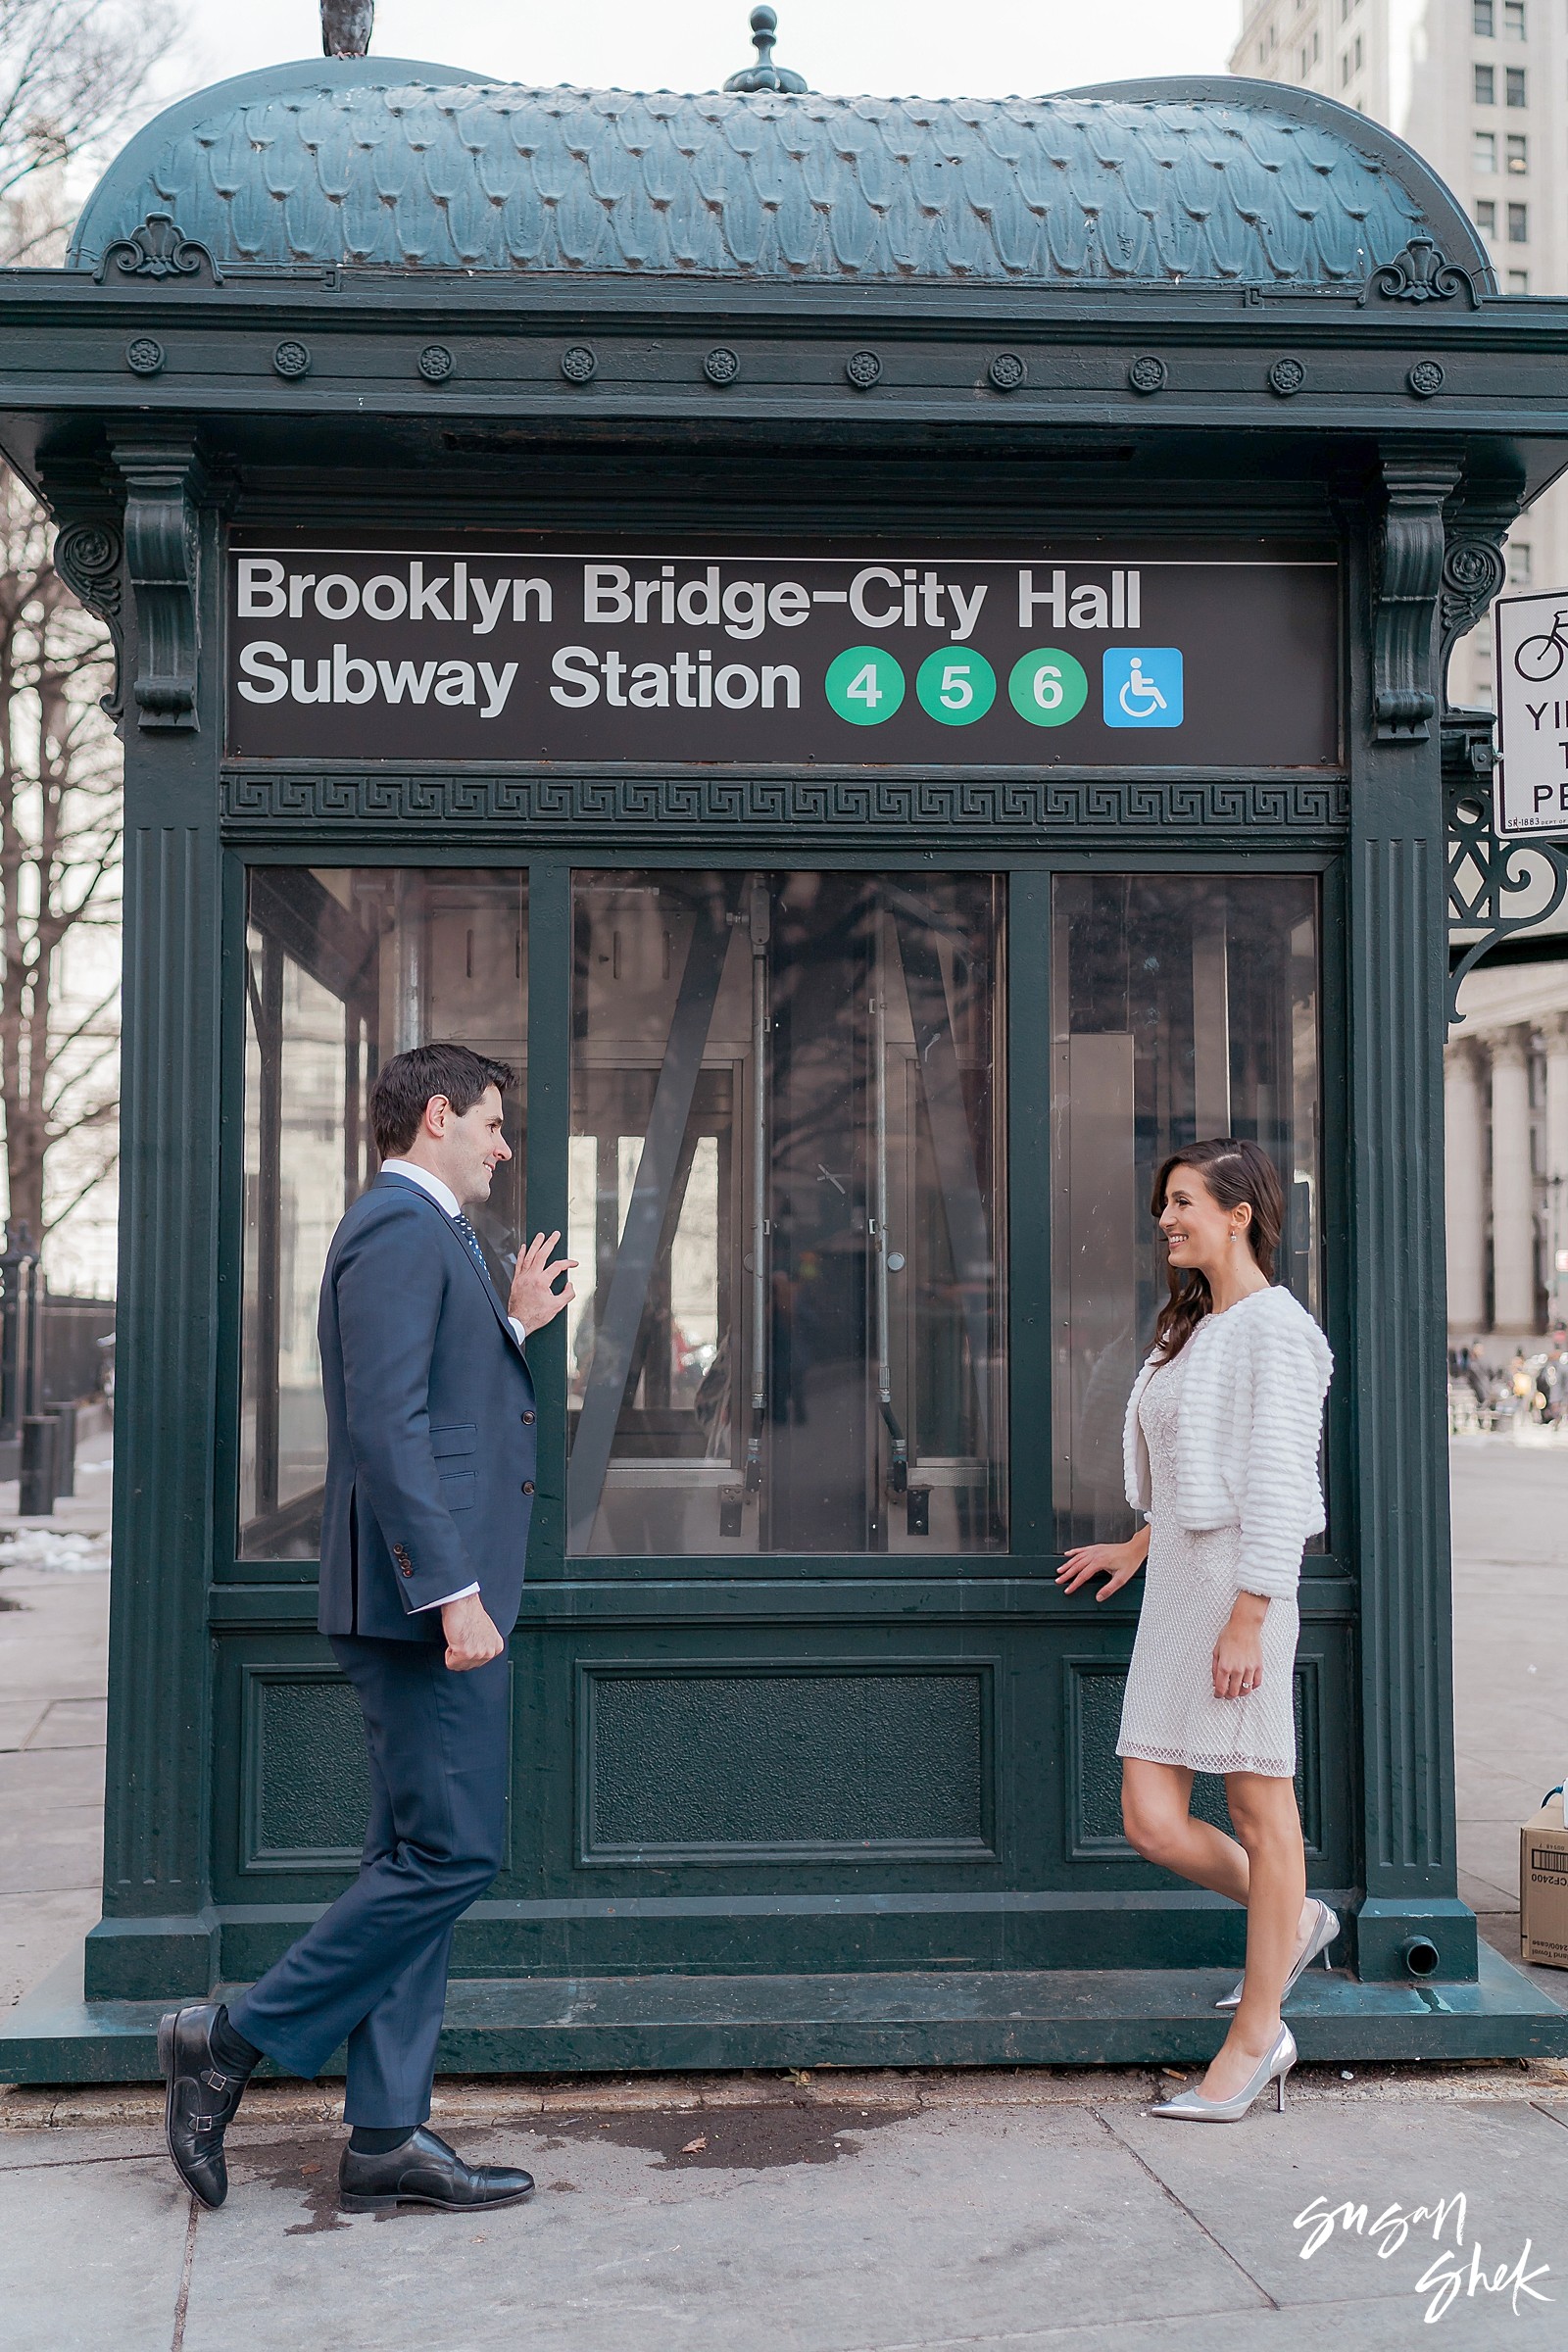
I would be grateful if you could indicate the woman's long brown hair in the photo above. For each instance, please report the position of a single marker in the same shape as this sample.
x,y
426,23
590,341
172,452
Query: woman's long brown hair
x,y
1233,1172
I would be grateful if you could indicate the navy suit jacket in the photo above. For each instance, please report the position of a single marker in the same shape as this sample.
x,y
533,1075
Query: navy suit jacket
x,y
431,1441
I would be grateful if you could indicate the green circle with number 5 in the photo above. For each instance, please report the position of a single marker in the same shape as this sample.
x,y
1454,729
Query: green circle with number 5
x,y
1048,687
955,685
864,685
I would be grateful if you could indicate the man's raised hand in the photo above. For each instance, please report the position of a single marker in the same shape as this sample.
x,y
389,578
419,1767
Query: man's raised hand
x,y
535,1301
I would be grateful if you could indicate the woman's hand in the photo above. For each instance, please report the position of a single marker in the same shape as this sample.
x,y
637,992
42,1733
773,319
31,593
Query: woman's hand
x,y
1118,1563
1238,1651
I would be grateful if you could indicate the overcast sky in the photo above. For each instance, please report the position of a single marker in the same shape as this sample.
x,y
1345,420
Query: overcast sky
x,y
978,48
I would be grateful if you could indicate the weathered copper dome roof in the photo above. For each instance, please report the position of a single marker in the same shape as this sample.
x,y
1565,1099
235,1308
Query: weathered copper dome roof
x,y
384,163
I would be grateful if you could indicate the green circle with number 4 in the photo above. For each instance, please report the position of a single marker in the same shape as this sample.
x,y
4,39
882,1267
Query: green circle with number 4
x,y
864,685
955,685
1048,687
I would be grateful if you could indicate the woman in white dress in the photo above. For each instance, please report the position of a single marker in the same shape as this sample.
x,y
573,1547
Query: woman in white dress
x,y
1221,1447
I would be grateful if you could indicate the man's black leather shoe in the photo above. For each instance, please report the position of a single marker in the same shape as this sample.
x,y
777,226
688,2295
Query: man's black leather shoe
x,y
201,2101
425,2171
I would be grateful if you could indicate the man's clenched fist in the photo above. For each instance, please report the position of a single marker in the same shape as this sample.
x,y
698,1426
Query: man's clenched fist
x,y
471,1638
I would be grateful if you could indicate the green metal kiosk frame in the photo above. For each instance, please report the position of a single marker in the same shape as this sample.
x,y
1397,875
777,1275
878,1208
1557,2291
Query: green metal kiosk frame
x,y
848,1036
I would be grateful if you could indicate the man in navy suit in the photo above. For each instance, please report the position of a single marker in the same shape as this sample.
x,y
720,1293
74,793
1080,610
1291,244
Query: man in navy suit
x,y
431,1444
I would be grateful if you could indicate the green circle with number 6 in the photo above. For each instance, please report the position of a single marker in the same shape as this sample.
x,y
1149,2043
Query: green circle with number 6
x,y
864,685
1048,687
955,685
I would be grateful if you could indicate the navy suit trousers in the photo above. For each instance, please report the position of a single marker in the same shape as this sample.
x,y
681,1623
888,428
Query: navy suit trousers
x,y
373,1970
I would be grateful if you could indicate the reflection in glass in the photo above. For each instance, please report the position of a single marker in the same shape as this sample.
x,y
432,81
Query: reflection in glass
x,y
344,968
785,1197
1184,1006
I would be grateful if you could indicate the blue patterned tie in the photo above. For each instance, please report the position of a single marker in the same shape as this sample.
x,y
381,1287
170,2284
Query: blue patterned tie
x,y
473,1242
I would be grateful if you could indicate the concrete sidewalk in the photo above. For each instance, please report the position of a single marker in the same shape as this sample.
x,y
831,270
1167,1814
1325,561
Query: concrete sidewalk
x,y
54,1659
836,2214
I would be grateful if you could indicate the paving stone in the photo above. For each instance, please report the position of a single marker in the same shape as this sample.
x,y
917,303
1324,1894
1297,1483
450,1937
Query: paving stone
x,y
90,2257
1249,2184
71,1723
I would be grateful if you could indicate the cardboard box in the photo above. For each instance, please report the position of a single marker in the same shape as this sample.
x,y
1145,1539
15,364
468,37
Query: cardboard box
x,y
1543,1889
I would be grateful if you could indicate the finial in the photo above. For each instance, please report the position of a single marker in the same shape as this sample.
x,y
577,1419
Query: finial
x,y
346,27
765,74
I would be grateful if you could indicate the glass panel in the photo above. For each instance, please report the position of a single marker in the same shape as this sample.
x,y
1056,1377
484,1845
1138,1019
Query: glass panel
x,y
785,1196
1185,1006
344,968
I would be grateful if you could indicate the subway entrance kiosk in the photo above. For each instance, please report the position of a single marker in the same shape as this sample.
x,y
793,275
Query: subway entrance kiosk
x,y
890,656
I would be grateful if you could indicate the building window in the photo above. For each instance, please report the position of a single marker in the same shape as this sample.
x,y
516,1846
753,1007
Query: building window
x,y
1344,67
1518,224
1182,1005
1480,19
1521,570
1518,152
1518,281
1485,85
1514,80
346,967
1483,151
1513,20
1317,45
1357,67
1485,216
785,1193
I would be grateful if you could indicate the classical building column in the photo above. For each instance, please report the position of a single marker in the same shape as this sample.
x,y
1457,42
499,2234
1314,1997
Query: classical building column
x,y
1555,1028
1513,1202
1464,1163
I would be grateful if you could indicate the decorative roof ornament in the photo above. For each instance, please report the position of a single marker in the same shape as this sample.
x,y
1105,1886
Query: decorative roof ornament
x,y
765,74
346,27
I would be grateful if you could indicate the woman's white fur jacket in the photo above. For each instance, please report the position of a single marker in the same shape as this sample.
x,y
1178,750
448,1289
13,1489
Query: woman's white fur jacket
x,y
1248,1431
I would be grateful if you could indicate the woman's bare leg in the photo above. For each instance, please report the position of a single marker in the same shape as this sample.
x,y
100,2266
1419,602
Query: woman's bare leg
x,y
1156,1813
1269,1827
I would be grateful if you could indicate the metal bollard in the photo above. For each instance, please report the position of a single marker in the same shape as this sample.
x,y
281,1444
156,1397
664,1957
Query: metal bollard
x,y
64,1417
36,1499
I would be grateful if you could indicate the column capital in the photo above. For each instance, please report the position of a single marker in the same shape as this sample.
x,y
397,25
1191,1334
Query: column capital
x,y
1554,1029
1464,1054
1510,1046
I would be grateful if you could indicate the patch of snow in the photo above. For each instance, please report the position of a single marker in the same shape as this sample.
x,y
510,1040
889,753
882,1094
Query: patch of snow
x,y
68,1553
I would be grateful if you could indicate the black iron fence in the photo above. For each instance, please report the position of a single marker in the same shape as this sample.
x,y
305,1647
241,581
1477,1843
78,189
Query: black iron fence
x,y
56,1354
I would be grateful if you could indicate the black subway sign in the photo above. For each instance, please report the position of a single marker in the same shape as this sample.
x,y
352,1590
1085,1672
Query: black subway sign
x,y
878,656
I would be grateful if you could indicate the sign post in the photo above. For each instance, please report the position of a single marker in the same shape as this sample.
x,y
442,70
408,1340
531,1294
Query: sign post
x,y
1532,674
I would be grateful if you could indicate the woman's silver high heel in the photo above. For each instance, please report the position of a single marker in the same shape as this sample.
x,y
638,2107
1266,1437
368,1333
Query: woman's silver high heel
x,y
1190,2106
1322,1935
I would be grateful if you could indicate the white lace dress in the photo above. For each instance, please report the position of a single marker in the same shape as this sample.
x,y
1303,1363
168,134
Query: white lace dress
x,y
1170,1714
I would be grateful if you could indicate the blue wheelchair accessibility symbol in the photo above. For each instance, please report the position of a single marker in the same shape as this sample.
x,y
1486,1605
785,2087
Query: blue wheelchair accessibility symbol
x,y
1142,686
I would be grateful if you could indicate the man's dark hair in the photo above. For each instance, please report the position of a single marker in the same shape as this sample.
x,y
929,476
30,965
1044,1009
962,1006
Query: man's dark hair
x,y
404,1084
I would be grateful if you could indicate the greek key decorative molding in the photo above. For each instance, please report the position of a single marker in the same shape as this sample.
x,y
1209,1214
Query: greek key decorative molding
x,y
1421,274
163,480
88,558
158,249
1410,550
607,809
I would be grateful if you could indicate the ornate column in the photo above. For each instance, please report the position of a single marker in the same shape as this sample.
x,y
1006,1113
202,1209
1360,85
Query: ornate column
x,y
1464,1167
1555,1028
1513,1190
158,1936
1391,1518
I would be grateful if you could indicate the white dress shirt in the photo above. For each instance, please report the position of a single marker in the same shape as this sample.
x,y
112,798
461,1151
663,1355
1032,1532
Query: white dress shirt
x,y
444,1197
